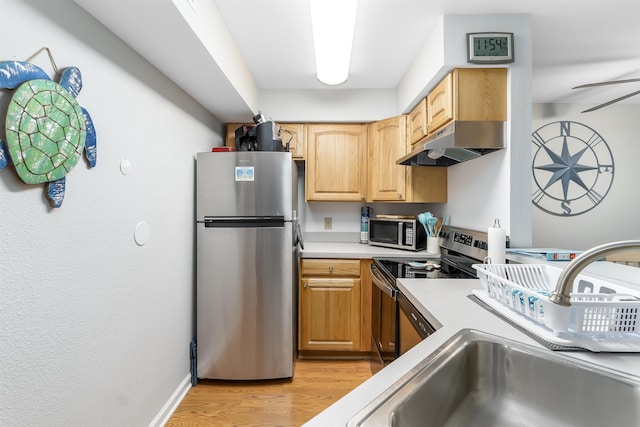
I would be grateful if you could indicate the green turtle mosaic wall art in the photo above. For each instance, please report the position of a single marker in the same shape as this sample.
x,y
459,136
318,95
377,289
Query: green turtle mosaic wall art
x,y
46,130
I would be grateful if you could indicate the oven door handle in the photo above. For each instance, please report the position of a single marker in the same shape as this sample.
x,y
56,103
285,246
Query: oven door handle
x,y
379,280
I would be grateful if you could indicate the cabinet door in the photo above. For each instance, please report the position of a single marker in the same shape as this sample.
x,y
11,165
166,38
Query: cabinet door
x,y
230,140
440,104
336,164
418,122
330,314
294,134
387,143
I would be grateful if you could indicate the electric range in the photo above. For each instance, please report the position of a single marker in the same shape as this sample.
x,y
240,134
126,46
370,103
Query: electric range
x,y
392,312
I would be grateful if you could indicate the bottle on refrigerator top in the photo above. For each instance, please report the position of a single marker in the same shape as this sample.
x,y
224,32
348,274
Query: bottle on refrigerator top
x,y
365,212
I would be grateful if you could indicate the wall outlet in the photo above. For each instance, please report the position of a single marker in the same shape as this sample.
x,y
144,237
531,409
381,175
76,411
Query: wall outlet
x,y
328,223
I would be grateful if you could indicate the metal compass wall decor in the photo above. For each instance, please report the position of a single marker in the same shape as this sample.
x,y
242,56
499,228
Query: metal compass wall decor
x,y
572,168
46,130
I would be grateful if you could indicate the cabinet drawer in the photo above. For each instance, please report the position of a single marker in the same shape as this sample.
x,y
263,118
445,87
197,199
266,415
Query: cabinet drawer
x,y
330,267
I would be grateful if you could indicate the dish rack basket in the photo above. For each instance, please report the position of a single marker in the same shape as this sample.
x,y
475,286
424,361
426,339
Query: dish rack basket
x,y
598,308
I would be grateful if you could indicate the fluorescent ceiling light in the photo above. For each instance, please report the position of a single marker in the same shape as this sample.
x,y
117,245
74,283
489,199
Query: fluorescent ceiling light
x,y
333,23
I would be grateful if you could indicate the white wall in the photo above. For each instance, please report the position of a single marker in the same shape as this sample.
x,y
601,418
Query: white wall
x,y
346,216
617,216
94,330
356,105
494,186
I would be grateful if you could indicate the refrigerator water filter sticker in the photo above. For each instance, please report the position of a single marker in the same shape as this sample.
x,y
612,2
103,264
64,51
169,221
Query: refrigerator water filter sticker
x,y
244,173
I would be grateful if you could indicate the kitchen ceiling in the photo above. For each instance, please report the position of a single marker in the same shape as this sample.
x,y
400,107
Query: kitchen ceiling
x,y
574,42
240,48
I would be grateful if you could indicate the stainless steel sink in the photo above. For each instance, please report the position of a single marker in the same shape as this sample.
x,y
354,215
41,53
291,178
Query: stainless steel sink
x,y
477,379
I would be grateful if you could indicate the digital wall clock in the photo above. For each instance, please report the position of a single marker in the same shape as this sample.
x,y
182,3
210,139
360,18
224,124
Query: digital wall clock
x,y
489,48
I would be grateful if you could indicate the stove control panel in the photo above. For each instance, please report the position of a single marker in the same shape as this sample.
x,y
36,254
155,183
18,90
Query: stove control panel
x,y
480,244
472,243
462,238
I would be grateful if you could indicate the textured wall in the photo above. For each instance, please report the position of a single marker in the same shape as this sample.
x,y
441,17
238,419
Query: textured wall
x,y
94,329
616,216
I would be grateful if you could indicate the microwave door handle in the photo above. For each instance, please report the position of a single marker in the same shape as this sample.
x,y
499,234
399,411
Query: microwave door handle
x,y
378,279
400,233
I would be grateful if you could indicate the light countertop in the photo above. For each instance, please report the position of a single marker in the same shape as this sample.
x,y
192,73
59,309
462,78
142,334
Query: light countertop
x,y
319,249
446,301
628,276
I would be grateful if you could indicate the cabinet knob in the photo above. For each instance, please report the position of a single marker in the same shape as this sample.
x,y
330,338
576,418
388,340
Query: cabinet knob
x,y
305,284
331,269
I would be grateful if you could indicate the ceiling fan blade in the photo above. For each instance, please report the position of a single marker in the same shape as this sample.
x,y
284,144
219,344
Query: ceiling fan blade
x,y
611,82
613,101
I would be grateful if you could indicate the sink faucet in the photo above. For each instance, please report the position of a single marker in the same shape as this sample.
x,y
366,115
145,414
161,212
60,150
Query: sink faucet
x,y
569,273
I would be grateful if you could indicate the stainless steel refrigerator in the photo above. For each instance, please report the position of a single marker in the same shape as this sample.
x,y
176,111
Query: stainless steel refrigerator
x,y
246,265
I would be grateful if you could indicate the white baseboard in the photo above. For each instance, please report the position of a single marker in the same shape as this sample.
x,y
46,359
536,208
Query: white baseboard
x,y
172,404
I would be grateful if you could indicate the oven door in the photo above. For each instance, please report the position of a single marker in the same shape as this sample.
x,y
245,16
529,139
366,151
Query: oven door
x,y
384,319
412,324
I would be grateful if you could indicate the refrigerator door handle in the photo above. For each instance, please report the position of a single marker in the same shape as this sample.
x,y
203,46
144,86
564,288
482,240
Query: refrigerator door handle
x,y
244,222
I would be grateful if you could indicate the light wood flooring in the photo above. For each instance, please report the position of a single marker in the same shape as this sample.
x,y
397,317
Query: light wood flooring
x,y
316,384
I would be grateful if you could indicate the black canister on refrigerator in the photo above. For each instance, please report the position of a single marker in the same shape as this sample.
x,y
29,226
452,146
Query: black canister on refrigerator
x,y
365,213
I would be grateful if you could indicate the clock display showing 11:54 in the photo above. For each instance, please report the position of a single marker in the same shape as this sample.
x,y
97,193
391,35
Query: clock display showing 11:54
x,y
489,48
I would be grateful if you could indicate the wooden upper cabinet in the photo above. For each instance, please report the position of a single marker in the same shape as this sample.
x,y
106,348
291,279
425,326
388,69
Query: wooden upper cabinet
x,y
426,184
418,122
387,143
468,94
480,94
440,104
390,182
336,162
292,132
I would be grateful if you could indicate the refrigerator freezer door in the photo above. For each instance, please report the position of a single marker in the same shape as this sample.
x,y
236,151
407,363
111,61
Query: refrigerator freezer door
x,y
255,183
245,302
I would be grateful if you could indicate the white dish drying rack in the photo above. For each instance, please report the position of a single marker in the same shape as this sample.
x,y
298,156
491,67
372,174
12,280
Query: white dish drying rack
x,y
602,316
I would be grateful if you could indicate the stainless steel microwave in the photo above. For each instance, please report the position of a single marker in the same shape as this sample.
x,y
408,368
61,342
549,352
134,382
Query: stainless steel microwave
x,y
405,234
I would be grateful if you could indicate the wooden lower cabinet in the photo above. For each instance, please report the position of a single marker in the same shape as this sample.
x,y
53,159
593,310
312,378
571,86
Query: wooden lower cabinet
x,y
330,312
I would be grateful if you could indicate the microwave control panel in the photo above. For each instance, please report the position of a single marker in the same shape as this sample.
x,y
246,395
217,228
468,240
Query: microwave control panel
x,y
408,235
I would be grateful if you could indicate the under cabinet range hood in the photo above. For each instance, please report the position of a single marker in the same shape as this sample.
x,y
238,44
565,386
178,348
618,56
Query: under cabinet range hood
x,y
457,142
